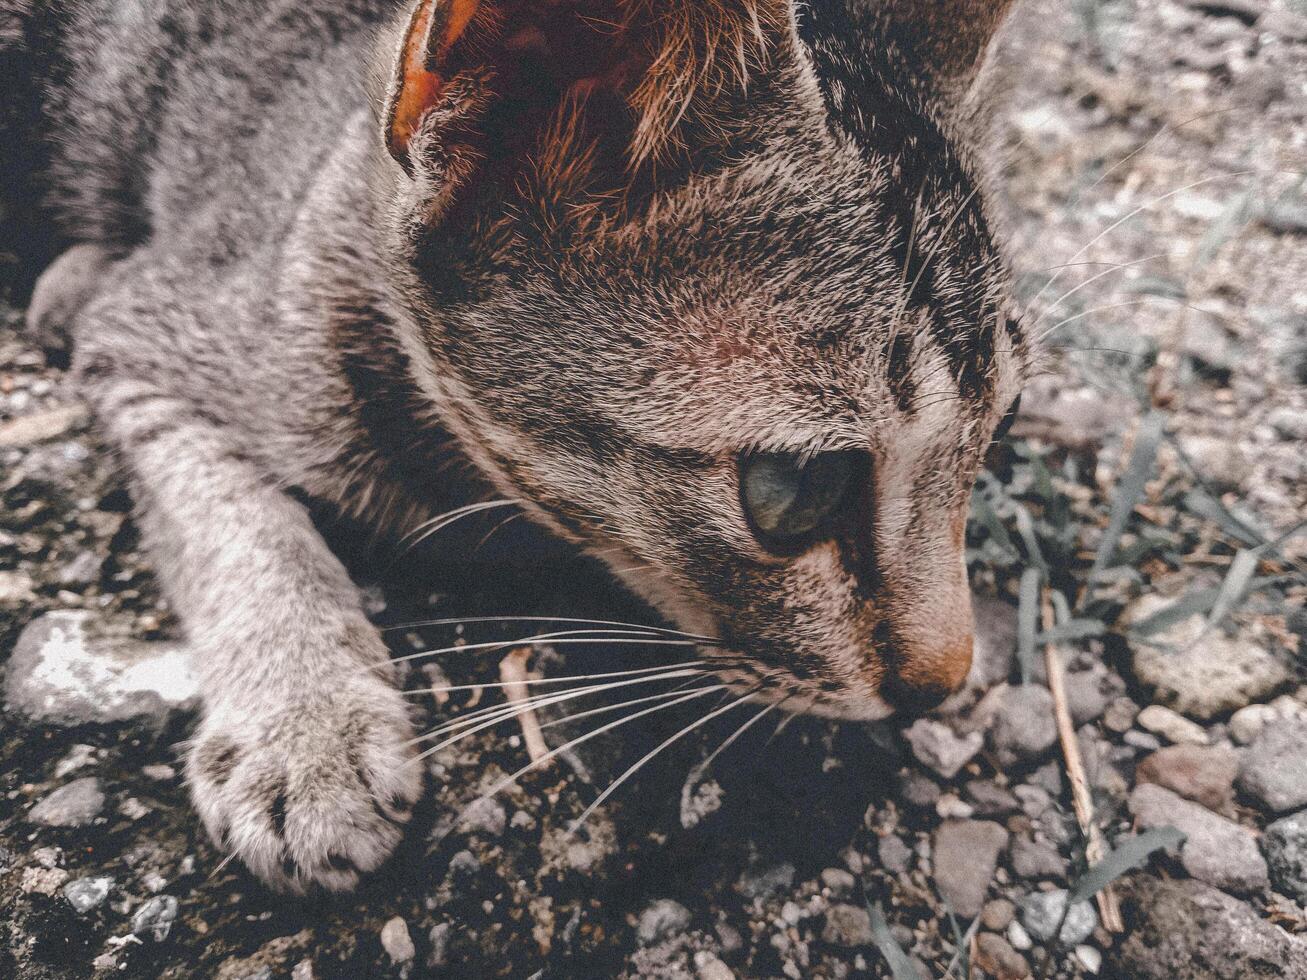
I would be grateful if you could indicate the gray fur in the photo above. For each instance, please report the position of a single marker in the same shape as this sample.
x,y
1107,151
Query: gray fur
x,y
289,308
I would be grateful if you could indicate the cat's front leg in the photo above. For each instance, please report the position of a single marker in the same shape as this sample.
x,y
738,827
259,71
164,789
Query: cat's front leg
x,y
302,765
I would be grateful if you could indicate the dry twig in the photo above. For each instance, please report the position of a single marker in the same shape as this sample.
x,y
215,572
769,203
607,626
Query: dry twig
x,y
1095,848
513,673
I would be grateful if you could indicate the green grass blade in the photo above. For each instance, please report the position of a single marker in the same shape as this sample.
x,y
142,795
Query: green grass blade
x,y
1129,490
1132,853
1028,622
900,965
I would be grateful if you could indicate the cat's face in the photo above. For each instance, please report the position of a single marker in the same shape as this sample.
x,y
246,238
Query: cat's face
x,y
761,395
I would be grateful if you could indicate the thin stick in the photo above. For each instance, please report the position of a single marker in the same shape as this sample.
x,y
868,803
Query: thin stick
x,y
1095,848
513,672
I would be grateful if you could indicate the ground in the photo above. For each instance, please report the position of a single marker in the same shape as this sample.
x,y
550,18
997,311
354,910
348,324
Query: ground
x,y
1154,193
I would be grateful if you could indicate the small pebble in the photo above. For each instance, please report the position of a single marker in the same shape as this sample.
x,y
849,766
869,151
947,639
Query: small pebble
x,y
1018,937
155,918
1172,726
1041,912
73,805
396,941
847,925
839,881
86,894
662,920
1089,958
709,967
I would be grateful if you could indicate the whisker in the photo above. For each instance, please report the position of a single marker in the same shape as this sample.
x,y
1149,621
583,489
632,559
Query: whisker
x,y
569,638
440,521
1137,211
613,786
542,681
512,710
1088,282
561,620
582,739
702,767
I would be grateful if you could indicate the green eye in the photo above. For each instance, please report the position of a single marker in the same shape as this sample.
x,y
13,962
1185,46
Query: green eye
x,y
788,500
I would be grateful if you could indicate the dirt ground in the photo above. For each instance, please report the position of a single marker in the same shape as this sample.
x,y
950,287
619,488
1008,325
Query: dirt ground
x,y
1154,186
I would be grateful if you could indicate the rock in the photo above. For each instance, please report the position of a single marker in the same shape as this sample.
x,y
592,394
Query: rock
x,y
709,967
1089,958
1087,694
396,941
1076,418
839,881
919,790
1246,723
1272,771
995,645
1291,27
1217,851
1041,912
1207,344
1184,928
155,918
1016,935
1171,726
62,673
761,882
303,970
949,807
1120,715
1246,11
997,914
86,894
1285,847
485,816
661,920
1290,424
1199,773
965,858
439,938
1035,860
996,957
1203,674
78,757
73,805
43,881
991,799
937,747
17,589
1020,722
28,430
847,925
895,856
1218,461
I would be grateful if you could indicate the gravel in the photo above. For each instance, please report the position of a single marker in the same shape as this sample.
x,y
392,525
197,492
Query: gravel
x,y
936,746
1019,720
396,941
1202,674
1285,847
1200,773
87,894
1172,726
155,918
965,857
1272,773
1041,912
1188,929
65,671
73,805
847,925
1216,850
661,920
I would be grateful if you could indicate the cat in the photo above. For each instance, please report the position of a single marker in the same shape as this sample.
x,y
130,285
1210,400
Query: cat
x,y
709,288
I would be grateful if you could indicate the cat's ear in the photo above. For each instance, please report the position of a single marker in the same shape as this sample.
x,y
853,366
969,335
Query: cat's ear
x,y
424,69
945,40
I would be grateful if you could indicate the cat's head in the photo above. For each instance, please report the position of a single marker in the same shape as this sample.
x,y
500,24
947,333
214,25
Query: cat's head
x,y
709,285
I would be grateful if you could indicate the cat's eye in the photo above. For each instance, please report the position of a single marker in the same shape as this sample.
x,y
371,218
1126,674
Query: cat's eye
x,y
1005,426
790,500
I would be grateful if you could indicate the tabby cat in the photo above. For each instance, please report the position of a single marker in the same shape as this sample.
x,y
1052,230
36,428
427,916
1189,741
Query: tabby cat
x,y
707,287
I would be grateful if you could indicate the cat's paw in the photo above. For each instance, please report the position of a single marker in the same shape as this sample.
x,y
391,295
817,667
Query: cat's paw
x,y
314,795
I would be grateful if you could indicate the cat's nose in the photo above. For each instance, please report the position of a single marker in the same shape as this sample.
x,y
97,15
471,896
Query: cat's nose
x,y
918,680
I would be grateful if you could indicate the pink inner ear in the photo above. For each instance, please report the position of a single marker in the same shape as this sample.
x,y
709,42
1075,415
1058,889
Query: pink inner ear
x,y
419,86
